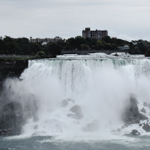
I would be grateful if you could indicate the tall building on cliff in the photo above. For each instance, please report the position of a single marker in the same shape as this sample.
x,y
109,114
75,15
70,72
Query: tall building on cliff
x,y
97,34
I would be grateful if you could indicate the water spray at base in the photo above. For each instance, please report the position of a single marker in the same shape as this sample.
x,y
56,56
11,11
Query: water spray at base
x,y
79,97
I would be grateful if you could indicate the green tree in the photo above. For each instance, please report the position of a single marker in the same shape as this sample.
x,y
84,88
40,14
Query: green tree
x,y
79,41
34,48
147,54
84,47
53,49
41,53
1,46
99,46
88,41
93,42
107,39
72,42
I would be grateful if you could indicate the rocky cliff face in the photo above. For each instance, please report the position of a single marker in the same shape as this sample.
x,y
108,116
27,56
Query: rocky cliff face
x,y
136,117
10,112
11,119
11,68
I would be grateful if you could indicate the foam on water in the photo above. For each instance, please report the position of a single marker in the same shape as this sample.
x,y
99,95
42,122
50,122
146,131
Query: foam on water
x,y
98,85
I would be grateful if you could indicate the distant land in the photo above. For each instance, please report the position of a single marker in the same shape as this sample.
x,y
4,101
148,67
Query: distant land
x,y
50,47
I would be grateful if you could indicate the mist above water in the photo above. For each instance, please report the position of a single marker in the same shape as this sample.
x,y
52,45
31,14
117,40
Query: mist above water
x,y
101,87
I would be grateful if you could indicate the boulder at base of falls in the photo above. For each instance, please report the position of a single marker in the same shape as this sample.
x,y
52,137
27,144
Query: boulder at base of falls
x,y
146,104
143,110
65,102
131,115
135,132
75,109
91,127
77,114
146,127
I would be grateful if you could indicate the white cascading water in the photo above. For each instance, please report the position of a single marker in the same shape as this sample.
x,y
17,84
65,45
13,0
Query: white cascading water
x,y
100,86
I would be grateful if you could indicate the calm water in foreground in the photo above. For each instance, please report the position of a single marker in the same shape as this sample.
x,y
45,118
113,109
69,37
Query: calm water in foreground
x,y
48,143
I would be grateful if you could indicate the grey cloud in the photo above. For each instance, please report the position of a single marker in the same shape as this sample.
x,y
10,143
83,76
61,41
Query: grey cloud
x,y
48,18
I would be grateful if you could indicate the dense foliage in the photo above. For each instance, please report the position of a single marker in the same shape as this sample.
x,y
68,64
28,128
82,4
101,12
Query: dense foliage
x,y
22,46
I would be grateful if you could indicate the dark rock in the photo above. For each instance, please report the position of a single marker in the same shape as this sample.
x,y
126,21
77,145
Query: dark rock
x,y
6,132
12,68
131,114
146,127
135,132
145,104
64,103
91,127
116,54
143,110
12,108
11,118
70,100
77,115
124,126
71,115
36,127
133,99
77,112
75,109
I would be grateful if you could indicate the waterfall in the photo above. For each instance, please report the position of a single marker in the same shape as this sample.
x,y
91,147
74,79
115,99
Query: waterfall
x,y
99,88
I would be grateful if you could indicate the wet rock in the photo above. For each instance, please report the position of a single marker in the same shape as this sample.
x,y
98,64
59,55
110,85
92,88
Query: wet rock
x,y
36,127
12,108
75,108
12,68
118,129
77,115
70,100
146,127
124,126
135,132
6,132
145,104
116,54
131,114
64,103
11,117
91,127
71,115
143,110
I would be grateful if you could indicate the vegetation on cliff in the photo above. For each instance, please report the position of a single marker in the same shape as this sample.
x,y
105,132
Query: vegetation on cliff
x,y
22,46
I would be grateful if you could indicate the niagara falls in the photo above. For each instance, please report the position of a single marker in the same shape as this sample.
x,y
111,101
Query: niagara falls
x,y
93,100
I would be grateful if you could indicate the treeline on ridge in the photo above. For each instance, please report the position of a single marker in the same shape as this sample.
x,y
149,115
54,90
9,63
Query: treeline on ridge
x,y
22,46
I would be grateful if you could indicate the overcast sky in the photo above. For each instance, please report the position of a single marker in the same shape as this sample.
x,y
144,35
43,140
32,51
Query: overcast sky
x,y
126,19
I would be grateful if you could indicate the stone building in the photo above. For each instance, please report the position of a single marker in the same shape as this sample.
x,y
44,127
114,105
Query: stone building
x,y
95,34
46,40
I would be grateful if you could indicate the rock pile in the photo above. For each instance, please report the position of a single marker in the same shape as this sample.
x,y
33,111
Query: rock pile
x,y
11,119
131,114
